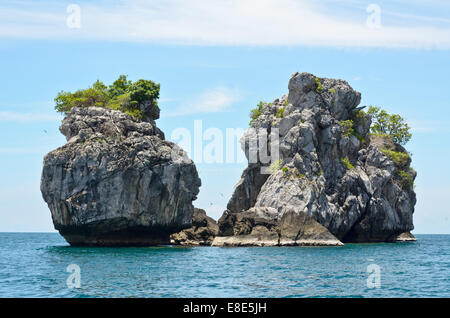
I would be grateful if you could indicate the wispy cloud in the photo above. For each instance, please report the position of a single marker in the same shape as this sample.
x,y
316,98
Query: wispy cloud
x,y
429,126
216,100
232,22
28,117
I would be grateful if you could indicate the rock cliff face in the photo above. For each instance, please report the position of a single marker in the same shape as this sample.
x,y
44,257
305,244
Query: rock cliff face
x,y
330,185
117,181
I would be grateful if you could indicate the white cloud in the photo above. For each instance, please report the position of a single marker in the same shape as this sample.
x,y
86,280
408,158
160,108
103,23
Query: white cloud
x,y
28,117
429,126
230,22
215,100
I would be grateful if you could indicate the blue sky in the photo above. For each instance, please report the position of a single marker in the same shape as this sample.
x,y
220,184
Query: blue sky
x,y
215,60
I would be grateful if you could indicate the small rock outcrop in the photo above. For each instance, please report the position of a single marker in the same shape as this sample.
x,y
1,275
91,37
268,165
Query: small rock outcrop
x,y
261,226
202,232
405,237
117,181
330,186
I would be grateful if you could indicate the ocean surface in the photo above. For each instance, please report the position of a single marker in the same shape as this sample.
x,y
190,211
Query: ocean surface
x,y
36,264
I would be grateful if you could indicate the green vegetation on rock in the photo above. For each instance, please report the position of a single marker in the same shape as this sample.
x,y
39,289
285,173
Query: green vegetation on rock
x,y
406,178
347,127
393,125
280,112
319,87
346,162
275,166
399,158
123,95
256,112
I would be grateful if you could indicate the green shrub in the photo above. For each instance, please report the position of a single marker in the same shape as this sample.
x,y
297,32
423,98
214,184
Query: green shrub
x,y
285,169
143,90
346,162
280,112
256,112
120,86
347,127
123,95
359,114
392,125
399,158
332,91
319,87
406,178
286,102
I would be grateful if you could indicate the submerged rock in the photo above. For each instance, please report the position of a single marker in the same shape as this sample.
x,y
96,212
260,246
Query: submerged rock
x,y
117,181
332,184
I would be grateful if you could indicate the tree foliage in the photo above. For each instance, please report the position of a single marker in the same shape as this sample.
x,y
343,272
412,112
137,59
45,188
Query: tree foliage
x,y
392,125
256,112
122,94
347,127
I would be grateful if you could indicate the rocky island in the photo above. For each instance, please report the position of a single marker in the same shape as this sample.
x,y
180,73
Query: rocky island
x,y
342,173
117,181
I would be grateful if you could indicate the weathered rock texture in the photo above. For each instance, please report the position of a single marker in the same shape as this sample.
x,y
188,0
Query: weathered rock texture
x,y
405,237
202,232
314,193
117,181
266,227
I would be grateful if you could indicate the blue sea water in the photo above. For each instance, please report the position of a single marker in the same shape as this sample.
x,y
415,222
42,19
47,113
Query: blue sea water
x,y
35,264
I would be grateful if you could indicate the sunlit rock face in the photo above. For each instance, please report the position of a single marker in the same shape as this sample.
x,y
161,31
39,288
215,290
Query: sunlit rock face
x,y
117,181
343,182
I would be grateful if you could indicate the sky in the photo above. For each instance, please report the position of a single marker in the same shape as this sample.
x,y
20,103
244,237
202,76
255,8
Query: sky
x,y
215,60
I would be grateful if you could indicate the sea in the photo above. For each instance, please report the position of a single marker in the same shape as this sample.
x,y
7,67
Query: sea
x,y
44,265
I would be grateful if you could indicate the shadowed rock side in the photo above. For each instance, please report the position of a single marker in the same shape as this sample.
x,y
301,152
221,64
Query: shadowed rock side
x,y
331,186
117,181
202,232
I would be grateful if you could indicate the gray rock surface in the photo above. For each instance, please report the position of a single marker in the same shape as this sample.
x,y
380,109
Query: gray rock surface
x,y
202,232
117,181
260,226
405,237
365,201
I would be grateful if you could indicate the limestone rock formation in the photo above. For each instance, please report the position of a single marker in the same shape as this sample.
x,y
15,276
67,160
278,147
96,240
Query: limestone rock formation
x,y
405,237
117,181
265,227
202,232
328,179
